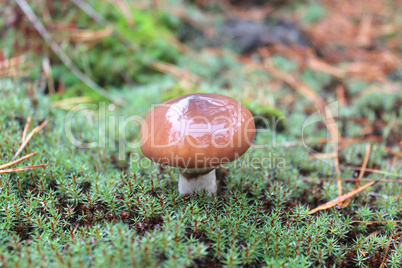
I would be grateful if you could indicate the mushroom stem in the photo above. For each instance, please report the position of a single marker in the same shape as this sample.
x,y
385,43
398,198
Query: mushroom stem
x,y
188,185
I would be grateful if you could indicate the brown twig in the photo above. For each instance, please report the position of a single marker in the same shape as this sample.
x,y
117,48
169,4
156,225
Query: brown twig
x,y
386,252
342,198
362,170
21,168
17,161
33,132
24,133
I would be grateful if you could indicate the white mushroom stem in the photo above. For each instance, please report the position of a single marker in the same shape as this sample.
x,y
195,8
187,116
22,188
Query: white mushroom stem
x,y
188,185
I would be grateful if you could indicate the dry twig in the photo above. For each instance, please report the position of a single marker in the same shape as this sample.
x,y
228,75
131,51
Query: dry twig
x,y
33,132
21,168
386,252
17,161
24,133
362,170
342,198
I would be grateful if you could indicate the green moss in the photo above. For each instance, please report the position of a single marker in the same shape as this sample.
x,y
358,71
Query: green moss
x,y
81,209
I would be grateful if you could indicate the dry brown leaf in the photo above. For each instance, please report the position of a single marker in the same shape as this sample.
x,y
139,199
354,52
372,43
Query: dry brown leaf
x,y
342,198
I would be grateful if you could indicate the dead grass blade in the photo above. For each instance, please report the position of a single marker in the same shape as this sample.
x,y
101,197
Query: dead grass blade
x,y
33,132
82,35
71,101
176,71
342,198
17,161
21,168
363,169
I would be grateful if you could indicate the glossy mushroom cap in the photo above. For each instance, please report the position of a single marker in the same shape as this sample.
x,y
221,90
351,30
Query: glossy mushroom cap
x,y
197,131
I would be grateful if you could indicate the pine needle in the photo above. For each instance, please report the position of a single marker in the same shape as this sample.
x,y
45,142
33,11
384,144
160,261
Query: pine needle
x,y
342,198
26,128
33,132
386,252
17,161
21,168
363,169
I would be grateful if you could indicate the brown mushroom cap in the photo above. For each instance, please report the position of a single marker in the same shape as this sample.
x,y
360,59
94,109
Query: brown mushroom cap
x,y
197,131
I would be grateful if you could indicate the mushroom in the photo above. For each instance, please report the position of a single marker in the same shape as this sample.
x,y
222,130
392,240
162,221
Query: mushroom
x,y
197,133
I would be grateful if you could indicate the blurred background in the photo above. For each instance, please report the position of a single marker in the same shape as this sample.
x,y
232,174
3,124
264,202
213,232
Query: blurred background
x,y
277,57
123,43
